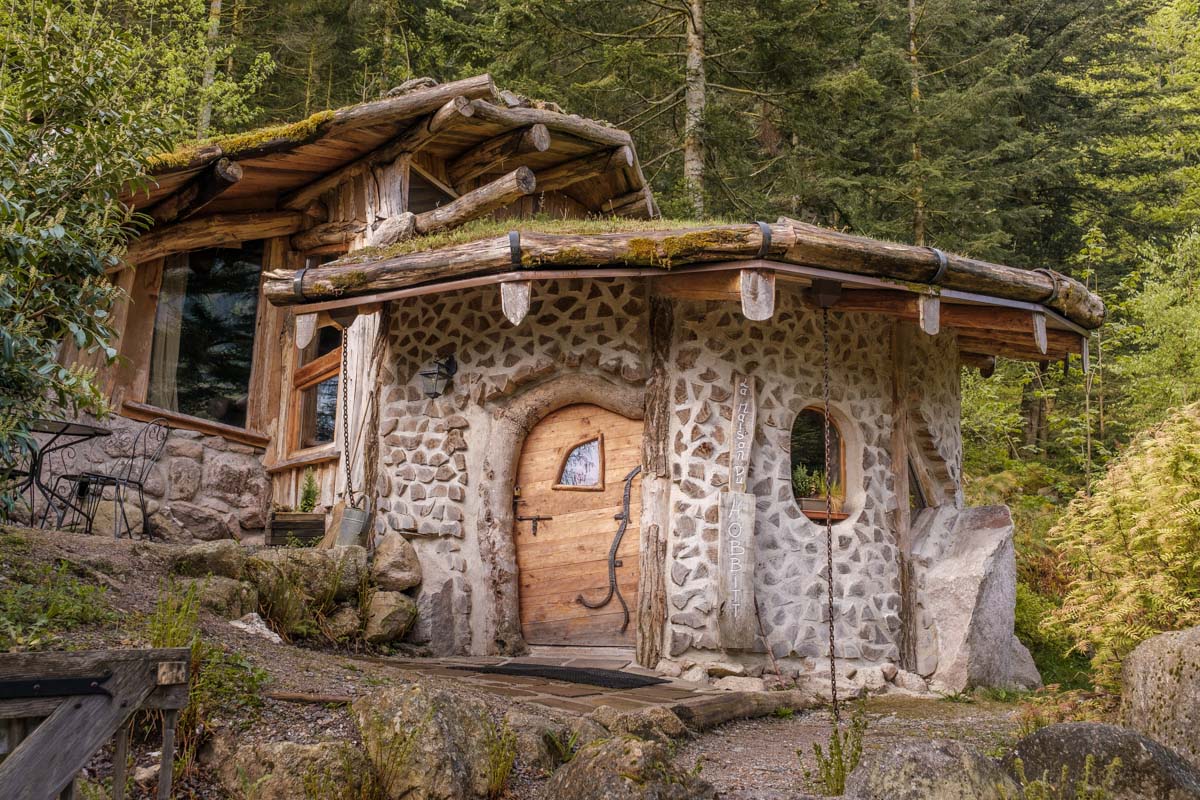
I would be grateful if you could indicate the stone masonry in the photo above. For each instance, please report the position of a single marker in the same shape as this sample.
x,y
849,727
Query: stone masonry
x,y
431,452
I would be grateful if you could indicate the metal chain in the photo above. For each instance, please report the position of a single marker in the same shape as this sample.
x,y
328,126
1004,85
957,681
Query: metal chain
x,y
349,491
837,717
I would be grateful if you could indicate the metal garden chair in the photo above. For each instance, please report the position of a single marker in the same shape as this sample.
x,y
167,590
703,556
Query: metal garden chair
x,y
128,480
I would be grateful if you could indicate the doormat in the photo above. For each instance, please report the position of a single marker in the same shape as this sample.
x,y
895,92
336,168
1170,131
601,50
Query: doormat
x,y
605,678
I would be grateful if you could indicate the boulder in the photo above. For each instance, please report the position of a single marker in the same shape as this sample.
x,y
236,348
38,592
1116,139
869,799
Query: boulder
x,y
226,597
342,624
224,558
322,575
201,522
545,741
1160,691
1148,771
254,625
652,722
290,771
444,734
396,567
970,592
625,768
910,682
389,616
938,769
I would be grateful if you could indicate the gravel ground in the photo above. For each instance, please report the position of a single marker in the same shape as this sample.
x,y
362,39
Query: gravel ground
x,y
757,759
754,759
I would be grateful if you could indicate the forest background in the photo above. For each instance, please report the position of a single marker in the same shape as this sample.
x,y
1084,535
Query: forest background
x,y
1062,135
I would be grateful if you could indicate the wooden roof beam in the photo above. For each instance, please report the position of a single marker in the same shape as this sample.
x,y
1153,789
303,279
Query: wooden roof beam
x,y
218,230
584,168
455,112
212,181
493,154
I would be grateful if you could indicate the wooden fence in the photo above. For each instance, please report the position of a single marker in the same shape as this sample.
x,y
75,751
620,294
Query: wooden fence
x,y
58,708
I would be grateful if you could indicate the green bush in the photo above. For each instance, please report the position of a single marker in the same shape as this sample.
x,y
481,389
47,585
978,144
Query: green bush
x,y
1131,548
1052,649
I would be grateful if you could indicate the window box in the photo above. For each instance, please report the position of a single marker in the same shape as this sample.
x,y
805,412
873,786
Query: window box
x,y
295,526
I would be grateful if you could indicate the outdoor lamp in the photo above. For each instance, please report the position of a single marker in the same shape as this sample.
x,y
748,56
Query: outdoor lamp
x,y
436,377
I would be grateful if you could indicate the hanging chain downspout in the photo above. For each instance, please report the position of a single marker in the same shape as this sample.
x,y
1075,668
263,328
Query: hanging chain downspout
x,y
349,490
837,718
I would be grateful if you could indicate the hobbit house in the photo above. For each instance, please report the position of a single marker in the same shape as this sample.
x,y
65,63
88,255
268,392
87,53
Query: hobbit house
x,y
459,311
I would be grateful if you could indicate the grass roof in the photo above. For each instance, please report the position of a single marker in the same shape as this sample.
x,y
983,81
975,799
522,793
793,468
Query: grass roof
x,y
489,228
232,144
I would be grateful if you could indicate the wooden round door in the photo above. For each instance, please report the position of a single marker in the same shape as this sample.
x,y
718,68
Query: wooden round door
x,y
578,497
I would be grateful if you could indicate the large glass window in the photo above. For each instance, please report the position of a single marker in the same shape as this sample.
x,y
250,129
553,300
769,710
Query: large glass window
x,y
204,333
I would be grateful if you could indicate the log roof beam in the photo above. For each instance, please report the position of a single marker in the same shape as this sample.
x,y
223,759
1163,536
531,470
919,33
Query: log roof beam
x,y
212,181
494,154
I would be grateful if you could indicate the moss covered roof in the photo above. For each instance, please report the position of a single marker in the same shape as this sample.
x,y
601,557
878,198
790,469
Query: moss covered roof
x,y
234,144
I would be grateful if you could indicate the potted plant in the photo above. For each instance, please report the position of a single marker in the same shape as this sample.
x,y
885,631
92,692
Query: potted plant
x,y
304,527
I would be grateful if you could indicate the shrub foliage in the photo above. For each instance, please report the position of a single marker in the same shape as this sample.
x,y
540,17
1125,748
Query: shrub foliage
x,y
1133,547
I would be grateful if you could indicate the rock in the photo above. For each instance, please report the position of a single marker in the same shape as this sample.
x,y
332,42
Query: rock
x,y
695,674
736,684
545,742
939,769
322,575
872,679
889,671
724,670
653,722
253,624
225,558
130,524
1160,691
290,771
910,681
144,776
396,567
450,730
1148,770
970,591
389,616
342,624
226,597
201,522
625,768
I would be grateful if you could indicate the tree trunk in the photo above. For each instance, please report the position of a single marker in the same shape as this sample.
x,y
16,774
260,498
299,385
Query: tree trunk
x,y
695,90
210,68
914,99
1035,409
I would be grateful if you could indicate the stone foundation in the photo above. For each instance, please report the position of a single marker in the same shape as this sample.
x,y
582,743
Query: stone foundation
x,y
201,487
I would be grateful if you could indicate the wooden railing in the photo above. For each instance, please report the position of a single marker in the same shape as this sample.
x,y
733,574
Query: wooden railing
x,y
59,708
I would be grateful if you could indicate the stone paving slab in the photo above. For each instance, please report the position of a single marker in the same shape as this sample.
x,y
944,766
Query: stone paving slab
x,y
576,698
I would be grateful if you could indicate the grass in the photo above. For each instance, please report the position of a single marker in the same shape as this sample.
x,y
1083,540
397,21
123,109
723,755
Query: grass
x,y
221,684
500,744
845,751
41,602
1088,786
488,228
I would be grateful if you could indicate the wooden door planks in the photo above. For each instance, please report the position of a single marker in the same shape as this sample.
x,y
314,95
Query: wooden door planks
x,y
569,555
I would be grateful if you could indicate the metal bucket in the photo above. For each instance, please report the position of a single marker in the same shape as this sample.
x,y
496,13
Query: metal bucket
x,y
354,524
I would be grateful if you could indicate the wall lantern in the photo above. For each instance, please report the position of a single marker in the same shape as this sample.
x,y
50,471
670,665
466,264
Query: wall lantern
x,y
436,377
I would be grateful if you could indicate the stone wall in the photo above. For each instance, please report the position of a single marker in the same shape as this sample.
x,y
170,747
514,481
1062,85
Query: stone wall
x,y
202,487
785,355
433,452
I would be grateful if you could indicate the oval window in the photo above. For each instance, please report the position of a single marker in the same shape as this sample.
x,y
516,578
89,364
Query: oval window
x,y
583,466
809,479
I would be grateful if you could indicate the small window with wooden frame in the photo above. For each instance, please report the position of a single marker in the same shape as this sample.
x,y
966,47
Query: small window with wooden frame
x,y
314,402
582,466
811,481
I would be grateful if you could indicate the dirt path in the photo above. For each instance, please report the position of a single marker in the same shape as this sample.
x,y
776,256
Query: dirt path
x,y
758,758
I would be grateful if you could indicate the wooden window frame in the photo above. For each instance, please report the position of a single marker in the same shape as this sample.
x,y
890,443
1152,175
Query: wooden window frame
x,y
306,377
562,464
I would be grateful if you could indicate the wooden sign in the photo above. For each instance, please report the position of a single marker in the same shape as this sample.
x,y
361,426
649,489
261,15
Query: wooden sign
x,y
736,615
745,412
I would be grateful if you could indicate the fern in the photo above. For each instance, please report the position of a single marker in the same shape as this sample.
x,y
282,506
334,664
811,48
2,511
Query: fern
x,y
1131,548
